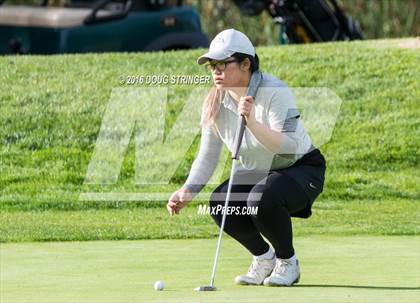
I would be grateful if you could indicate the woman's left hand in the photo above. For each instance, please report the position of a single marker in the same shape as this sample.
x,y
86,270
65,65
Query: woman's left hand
x,y
246,108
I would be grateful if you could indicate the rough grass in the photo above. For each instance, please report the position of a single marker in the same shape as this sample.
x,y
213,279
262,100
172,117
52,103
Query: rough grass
x,y
52,108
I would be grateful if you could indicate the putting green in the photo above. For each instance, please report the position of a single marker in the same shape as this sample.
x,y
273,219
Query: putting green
x,y
334,269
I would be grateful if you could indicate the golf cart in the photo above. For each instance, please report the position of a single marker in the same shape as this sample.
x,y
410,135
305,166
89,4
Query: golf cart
x,y
99,26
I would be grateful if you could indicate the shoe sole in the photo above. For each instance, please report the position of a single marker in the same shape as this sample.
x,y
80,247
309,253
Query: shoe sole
x,y
274,284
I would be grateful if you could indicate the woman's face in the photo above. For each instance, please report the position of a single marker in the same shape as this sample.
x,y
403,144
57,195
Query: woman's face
x,y
228,72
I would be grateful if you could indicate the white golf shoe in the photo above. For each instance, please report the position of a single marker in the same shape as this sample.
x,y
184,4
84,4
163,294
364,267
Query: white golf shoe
x,y
257,272
285,273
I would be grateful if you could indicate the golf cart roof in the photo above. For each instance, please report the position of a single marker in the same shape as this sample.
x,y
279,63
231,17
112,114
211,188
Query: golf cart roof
x,y
45,16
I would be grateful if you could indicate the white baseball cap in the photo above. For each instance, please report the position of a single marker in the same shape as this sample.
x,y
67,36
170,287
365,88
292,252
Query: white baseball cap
x,y
225,44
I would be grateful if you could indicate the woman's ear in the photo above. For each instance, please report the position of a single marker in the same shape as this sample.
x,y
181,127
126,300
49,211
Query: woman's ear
x,y
245,65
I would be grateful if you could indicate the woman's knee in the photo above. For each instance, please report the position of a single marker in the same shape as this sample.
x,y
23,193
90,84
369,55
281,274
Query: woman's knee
x,y
262,198
214,205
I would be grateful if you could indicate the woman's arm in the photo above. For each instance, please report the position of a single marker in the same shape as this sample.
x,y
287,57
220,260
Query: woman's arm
x,y
279,138
273,140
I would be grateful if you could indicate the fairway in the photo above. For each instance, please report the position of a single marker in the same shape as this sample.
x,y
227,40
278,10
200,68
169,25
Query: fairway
x,y
334,269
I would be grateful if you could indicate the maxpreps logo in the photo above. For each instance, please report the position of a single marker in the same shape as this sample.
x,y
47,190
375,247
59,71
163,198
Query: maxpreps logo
x,y
230,210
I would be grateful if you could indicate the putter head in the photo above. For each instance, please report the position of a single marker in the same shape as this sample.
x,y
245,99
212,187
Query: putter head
x,y
205,288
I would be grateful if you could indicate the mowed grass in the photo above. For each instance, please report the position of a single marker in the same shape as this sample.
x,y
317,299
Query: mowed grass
x,y
334,269
51,108
398,217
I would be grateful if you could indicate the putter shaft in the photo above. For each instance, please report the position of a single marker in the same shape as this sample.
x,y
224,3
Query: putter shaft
x,y
216,258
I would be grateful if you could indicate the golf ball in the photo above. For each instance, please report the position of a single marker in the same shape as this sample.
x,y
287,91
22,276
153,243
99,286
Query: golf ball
x,y
159,285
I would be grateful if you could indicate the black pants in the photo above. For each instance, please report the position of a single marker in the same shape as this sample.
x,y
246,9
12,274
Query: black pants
x,y
279,195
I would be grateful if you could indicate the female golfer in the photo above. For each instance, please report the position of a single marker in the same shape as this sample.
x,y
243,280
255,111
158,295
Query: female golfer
x,y
279,171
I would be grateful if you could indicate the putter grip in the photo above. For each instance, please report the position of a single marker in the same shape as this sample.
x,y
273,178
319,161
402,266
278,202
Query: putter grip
x,y
238,139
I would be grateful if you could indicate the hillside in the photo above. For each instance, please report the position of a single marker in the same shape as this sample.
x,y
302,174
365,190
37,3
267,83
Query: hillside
x,y
52,108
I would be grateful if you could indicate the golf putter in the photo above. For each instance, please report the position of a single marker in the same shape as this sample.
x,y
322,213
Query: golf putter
x,y
252,91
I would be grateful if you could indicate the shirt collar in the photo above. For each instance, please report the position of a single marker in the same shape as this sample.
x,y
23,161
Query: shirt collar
x,y
229,103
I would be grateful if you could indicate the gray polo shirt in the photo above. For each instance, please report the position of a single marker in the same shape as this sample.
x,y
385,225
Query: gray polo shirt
x,y
275,108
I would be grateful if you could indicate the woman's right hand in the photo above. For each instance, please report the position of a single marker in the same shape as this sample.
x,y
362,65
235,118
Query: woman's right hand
x,y
178,200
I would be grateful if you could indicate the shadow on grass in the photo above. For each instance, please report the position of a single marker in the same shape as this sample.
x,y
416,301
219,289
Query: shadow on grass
x,y
357,286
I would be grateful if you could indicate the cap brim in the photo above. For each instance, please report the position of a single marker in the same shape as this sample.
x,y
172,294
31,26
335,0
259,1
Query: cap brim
x,y
213,56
